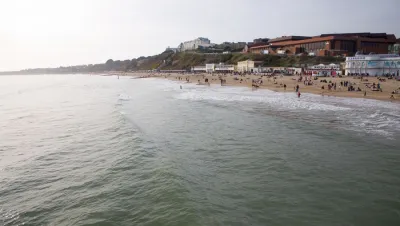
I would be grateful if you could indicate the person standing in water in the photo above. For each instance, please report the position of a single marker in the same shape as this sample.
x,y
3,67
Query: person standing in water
x,y
298,94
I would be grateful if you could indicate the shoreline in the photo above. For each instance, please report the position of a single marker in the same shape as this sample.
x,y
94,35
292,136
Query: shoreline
x,y
276,84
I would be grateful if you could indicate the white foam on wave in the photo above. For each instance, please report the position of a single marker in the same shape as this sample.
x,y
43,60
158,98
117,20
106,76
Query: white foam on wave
x,y
266,97
124,97
355,114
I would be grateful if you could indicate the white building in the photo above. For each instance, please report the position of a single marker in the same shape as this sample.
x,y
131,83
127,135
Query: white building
x,y
324,70
326,67
224,67
374,65
199,68
248,66
195,44
175,50
210,68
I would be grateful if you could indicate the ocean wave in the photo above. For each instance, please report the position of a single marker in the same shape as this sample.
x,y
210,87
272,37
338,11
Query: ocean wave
x,y
124,97
361,115
9,217
280,100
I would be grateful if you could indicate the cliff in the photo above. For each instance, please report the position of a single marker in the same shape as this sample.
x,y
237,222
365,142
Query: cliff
x,y
183,60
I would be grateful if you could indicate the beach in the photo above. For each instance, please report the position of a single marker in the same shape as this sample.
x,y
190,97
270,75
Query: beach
x,y
276,83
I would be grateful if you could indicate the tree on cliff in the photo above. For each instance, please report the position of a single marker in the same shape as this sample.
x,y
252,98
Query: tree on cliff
x,y
109,64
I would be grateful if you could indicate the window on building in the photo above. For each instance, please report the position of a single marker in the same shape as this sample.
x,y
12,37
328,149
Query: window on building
x,y
370,44
347,46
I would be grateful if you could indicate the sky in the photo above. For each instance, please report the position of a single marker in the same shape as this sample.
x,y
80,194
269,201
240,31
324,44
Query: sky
x,y
53,33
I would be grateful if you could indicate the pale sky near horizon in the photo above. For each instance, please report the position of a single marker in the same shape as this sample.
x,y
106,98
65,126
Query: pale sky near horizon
x,y
53,33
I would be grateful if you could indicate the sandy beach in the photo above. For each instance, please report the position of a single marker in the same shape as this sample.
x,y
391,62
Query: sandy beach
x,y
277,82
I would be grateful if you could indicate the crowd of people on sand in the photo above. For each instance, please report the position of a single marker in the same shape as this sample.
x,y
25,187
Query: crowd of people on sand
x,y
327,85
223,81
395,92
256,82
386,75
308,81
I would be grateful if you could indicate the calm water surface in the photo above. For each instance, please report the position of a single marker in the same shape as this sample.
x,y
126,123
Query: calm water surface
x,y
93,150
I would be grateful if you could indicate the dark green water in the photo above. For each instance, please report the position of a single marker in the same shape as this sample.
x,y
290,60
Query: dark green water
x,y
92,150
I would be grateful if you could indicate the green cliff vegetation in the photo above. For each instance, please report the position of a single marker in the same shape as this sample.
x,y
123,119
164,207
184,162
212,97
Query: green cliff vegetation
x,y
186,60
183,61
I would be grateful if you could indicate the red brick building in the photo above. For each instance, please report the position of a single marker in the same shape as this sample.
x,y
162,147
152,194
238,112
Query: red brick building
x,y
329,44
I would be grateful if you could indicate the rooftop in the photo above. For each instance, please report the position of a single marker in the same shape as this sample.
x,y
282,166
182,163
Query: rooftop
x,y
288,38
261,40
381,37
361,34
258,44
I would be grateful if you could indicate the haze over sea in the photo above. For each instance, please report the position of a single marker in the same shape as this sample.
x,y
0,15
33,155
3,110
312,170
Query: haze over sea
x,y
96,150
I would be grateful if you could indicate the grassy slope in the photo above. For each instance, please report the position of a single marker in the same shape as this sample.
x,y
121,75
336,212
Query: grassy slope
x,y
186,60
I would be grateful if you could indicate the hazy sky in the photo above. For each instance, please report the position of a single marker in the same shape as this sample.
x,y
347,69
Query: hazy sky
x,y
51,33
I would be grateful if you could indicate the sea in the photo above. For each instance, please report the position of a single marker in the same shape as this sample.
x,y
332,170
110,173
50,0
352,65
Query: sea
x,y
98,150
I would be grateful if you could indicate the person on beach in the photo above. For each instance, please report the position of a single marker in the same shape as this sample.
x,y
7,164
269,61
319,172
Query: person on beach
x,y
284,86
298,94
297,88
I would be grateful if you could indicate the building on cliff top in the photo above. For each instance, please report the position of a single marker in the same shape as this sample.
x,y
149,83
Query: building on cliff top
x,y
328,44
195,44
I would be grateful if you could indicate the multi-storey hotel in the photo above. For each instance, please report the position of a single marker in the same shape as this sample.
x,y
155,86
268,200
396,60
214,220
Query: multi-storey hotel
x,y
329,44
